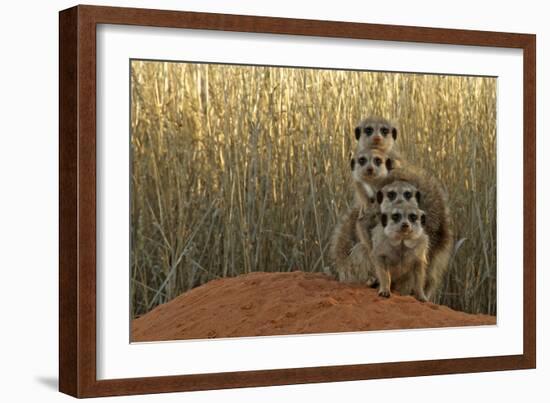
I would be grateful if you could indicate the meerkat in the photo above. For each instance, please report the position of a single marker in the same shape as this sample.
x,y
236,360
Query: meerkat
x,y
364,225
367,166
350,257
427,192
377,133
400,250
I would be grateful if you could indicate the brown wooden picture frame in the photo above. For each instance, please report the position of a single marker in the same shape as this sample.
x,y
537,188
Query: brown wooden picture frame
x,y
77,200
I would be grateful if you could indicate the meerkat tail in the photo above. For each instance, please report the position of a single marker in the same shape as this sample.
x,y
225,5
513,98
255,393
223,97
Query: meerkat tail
x,y
438,267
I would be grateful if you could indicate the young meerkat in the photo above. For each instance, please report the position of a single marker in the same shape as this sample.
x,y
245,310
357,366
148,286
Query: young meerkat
x,y
414,184
377,133
350,258
397,193
400,249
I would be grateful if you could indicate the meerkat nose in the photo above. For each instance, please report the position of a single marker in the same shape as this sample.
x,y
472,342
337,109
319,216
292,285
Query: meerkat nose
x,y
405,225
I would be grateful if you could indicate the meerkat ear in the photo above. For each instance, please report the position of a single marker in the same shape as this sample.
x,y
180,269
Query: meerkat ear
x,y
394,133
357,133
417,195
352,164
389,164
423,219
384,219
379,196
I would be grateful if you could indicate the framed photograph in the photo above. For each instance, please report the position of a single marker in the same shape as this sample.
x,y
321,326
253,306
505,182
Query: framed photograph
x,y
253,201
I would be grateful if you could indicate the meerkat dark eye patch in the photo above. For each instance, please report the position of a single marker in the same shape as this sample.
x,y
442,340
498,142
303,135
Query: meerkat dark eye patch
x,y
377,161
384,220
423,219
362,161
396,217
352,164
389,164
357,133
379,196
394,133
417,196
413,217
384,131
392,195
407,195
369,130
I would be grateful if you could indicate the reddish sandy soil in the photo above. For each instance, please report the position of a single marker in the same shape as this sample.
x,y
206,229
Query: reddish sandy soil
x,y
261,304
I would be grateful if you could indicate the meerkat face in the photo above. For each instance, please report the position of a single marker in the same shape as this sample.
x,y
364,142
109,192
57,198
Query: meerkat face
x,y
398,192
403,222
376,133
368,165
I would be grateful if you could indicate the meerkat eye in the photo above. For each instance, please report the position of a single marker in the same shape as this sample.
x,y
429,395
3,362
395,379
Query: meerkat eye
x,y
362,161
392,195
396,217
357,132
413,217
377,161
369,130
379,196
407,195
384,130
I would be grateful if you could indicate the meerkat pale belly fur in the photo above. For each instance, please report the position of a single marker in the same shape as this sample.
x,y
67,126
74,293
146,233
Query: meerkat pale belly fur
x,y
432,199
377,133
399,250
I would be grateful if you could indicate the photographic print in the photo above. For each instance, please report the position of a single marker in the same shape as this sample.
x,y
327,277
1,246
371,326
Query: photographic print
x,y
274,194
271,200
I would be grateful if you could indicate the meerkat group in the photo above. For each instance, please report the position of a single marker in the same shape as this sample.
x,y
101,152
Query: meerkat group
x,y
397,234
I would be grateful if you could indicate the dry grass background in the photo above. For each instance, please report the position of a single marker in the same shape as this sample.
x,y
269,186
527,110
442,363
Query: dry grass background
x,y
239,168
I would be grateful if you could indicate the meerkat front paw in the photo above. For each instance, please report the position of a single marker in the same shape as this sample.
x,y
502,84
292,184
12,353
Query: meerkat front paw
x,y
422,298
384,293
420,295
342,277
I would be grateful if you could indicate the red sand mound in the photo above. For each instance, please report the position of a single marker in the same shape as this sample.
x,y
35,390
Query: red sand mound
x,y
261,304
